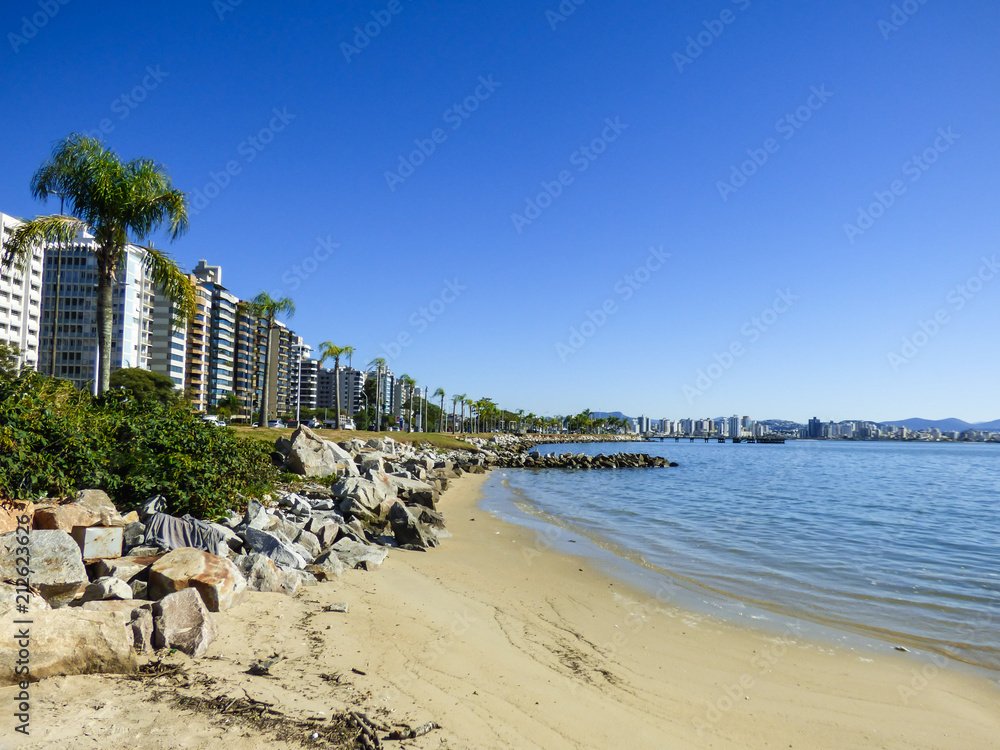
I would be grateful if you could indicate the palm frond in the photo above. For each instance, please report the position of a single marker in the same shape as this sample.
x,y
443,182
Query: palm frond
x,y
174,283
28,236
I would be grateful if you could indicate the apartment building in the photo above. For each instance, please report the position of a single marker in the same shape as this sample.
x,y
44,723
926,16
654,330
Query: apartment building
x,y
21,300
69,305
221,332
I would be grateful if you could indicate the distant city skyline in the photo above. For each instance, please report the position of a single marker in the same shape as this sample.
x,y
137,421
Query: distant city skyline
x,y
668,207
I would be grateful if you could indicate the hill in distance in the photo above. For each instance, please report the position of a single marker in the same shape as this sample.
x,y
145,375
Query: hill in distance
x,y
946,425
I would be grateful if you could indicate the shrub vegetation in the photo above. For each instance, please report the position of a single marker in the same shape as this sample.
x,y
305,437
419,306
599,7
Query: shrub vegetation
x,y
55,440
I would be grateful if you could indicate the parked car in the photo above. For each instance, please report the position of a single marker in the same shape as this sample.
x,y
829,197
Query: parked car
x,y
275,423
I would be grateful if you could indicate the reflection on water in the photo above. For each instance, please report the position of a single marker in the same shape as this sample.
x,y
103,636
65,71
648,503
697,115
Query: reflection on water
x,y
895,540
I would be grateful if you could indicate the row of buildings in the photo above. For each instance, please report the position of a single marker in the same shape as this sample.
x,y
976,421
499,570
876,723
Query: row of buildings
x,y
730,427
49,312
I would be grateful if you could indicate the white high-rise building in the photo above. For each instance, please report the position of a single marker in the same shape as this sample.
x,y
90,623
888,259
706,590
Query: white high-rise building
x,y
70,282
21,300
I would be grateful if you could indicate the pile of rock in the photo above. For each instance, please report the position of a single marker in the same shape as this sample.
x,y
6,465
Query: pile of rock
x,y
106,586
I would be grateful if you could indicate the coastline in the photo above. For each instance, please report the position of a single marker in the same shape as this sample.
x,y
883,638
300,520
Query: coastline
x,y
507,643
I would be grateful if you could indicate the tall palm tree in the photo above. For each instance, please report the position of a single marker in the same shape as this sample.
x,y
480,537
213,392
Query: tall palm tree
x,y
326,350
454,412
440,393
408,385
461,420
267,308
120,202
379,364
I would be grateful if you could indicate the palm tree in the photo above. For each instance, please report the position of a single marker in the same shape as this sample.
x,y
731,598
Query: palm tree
x,y
461,421
454,403
327,350
379,363
119,201
265,307
440,393
408,384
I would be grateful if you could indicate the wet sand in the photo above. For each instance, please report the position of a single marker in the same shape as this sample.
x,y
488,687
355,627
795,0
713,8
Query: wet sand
x,y
507,644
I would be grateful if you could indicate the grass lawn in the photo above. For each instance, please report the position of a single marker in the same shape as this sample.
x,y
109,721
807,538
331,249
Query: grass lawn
x,y
436,439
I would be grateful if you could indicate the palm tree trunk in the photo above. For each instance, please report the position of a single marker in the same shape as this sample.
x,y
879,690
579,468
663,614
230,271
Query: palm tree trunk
x,y
104,319
336,387
441,416
262,417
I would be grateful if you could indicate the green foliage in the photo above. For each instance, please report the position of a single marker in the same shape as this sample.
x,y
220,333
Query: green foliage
x,y
8,358
55,440
144,385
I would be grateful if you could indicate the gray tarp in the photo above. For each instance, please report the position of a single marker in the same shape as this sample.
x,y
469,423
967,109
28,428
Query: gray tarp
x,y
169,532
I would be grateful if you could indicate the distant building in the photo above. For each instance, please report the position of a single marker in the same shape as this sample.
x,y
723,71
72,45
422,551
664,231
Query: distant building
x,y
815,428
21,301
221,333
71,279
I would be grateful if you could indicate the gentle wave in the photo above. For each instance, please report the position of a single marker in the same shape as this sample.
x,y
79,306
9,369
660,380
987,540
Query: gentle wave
x,y
897,541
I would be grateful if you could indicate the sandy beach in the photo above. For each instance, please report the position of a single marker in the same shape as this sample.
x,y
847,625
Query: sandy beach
x,y
506,644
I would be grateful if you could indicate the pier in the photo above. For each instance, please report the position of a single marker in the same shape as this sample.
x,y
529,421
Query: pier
x,y
765,439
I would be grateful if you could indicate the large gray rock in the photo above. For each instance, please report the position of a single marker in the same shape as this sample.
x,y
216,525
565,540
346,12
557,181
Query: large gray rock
x,y
123,568
182,621
10,598
383,445
357,555
326,534
312,456
69,641
355,509
57,569
327,566
370,494
261,573
107,588
216,579
269,545
415,491
142,629
407,530
88,508
310,541
370,461
134,535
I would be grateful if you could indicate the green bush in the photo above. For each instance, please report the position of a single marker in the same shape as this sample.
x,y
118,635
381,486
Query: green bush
x,y
55,440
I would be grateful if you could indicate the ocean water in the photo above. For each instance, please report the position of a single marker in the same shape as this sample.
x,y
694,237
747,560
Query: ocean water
x,y
898,542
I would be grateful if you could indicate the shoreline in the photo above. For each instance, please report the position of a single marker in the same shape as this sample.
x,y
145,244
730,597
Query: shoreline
x,y
508,644
691,595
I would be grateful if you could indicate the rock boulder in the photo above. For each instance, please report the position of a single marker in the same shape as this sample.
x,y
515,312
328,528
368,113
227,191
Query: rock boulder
x,y
219,582
182,621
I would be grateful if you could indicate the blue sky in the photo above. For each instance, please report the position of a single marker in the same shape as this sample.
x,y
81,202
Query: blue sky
x,y
540,157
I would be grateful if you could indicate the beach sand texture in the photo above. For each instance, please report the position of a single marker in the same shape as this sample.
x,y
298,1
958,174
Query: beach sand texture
x,y
506,644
